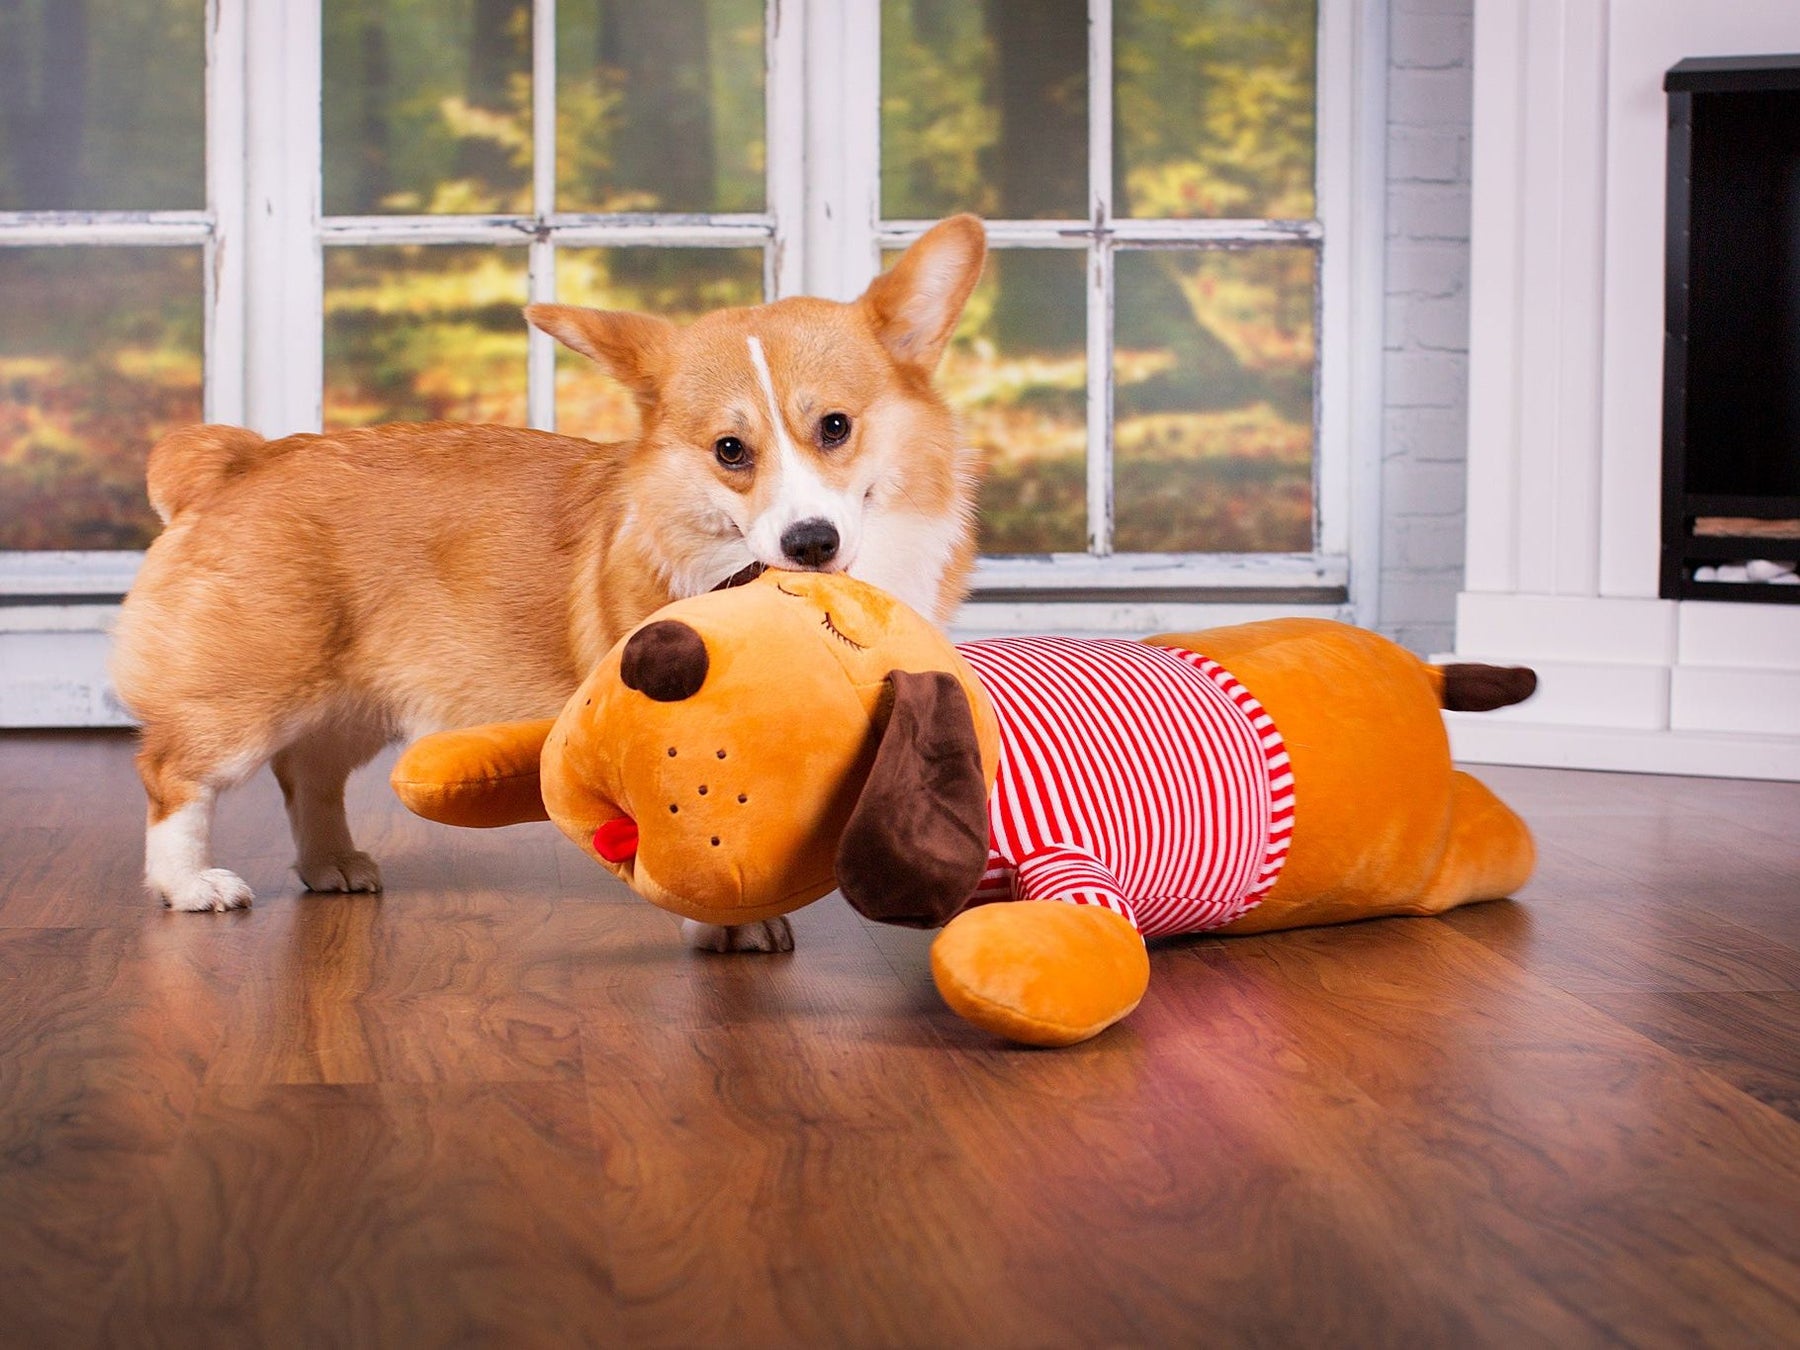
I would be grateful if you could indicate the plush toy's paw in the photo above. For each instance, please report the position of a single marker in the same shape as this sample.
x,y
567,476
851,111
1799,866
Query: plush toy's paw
x,y
1041,971
767,935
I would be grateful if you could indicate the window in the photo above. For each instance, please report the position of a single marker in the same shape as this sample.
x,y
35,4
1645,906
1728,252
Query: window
x,y
1140,368
103,204
480,153
355,242
1144,363
1161,361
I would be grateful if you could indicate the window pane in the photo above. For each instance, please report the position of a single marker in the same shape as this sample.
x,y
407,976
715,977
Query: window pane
x,y
427,106
679,284
1214,107
1017,374
99,355
424,333
1213,402
984,108
101,105
659,106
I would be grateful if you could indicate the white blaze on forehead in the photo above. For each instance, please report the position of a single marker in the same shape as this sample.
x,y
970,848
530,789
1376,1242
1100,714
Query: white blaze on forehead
x,y
789,451
800,492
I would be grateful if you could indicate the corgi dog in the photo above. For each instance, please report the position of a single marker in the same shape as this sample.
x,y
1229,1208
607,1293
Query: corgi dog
x,y
313,598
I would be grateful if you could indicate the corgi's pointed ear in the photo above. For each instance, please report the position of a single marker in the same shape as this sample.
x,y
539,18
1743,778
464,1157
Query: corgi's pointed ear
x,y
633,348
917,840
914,305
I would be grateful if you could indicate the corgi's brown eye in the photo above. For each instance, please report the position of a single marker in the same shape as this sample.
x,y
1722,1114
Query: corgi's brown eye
x,y
731,452
834,428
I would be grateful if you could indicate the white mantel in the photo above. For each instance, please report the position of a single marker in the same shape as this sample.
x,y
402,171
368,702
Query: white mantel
x,y
1565,406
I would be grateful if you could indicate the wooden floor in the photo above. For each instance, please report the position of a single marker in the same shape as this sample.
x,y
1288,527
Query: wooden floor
x,y
501,1105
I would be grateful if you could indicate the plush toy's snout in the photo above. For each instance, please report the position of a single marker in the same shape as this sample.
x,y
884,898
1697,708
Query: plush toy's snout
x,y
665,661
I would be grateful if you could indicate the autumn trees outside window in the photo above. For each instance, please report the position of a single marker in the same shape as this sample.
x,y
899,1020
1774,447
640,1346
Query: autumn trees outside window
x,y
1206,115
100,348
658,111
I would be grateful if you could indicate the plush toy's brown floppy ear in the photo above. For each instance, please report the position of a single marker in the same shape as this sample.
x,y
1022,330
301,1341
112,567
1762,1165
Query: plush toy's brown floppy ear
x,y
917,841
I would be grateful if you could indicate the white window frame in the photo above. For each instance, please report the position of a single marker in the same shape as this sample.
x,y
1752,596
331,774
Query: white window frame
x,y
263,234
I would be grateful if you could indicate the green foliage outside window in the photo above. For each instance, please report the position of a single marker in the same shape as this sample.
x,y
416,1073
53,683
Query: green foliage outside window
x,y
428,109
984,109
99,355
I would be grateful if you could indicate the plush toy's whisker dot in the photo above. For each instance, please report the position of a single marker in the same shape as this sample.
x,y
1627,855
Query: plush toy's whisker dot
x,y
673,809
721,754
742,799
671,752
703,789
715,841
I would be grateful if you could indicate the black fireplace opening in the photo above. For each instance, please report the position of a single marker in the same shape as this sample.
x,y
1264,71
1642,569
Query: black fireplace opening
x,y
1731,368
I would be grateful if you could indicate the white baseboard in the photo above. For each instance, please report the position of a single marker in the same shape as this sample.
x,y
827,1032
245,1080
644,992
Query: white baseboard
x,y
1744,702
1481,738
1641,686
1534,628
1585,694
53,667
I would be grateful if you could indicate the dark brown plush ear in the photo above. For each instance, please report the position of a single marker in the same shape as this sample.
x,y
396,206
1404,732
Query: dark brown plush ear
x,y
917,841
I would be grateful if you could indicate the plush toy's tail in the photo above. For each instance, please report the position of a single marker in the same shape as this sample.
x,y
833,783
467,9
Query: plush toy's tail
x,y
1472,687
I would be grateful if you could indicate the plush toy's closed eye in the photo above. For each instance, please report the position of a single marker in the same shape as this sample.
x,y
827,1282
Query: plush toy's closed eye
x,y
917,841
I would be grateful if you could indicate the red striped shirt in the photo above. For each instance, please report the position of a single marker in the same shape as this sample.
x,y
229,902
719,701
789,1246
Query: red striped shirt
x,y
1145,779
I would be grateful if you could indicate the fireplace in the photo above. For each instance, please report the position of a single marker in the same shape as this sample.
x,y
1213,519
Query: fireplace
x,y
1731,374
1581,557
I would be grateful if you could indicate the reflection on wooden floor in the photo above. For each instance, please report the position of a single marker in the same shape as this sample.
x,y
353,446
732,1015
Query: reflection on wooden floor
x,y
501,1104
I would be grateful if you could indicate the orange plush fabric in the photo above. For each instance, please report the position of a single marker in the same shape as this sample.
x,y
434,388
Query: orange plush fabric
x,y
482,776
1382,823
741,753
1039,971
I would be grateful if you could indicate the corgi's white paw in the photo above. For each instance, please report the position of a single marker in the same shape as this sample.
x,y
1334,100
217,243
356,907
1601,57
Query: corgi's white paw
x,y
766,935
215,889
346,872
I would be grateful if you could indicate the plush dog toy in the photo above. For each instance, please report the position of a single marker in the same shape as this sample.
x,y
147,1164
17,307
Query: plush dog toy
x,y
742,753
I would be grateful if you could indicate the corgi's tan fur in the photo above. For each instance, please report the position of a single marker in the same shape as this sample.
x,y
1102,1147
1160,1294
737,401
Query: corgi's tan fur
x,y
315,597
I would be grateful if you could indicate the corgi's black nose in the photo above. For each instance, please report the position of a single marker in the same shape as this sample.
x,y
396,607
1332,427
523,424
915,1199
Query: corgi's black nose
x,y
811,543
665,660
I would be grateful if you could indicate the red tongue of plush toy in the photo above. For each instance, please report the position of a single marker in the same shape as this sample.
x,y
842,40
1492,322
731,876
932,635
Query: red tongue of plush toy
x,y
617,840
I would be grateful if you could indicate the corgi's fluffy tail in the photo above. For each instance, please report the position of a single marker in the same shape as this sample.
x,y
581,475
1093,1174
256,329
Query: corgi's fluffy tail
x,y
186,465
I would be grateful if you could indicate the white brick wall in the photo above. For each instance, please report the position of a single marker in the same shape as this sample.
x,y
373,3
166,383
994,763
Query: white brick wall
x,y
1427,324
